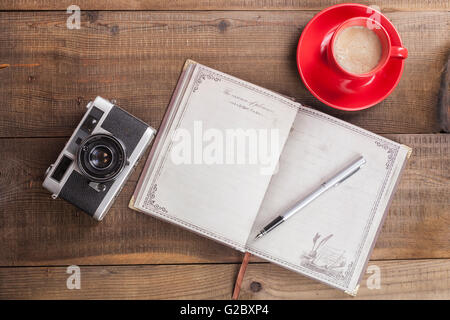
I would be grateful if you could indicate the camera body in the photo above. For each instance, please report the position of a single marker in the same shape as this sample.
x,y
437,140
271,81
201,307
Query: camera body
x,y
98,158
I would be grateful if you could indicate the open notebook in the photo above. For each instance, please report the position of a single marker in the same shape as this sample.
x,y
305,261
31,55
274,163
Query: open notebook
x,y
230,200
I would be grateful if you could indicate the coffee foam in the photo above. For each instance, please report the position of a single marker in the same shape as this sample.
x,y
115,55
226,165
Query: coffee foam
x,y
357,49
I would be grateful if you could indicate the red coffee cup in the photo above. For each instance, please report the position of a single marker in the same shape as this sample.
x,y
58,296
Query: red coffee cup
x,y
388,50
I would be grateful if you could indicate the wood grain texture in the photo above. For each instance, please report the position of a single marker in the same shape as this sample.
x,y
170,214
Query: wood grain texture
x,y
214,4
444,99
416,279
42,231
401,279
136,57
419,216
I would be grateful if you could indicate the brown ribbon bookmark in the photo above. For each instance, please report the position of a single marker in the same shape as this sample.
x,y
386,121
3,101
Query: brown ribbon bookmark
x,y
240,277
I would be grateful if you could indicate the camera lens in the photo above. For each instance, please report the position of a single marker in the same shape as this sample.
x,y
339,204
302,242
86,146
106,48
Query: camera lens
x,y
101,157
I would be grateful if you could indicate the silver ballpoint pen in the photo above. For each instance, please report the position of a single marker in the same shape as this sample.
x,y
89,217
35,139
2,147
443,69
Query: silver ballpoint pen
x,y
334,181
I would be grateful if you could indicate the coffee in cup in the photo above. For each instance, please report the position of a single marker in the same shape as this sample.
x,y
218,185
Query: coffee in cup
x,y
360,47
357,49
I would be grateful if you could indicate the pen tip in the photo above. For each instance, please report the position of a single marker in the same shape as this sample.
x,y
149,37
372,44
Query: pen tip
x,y
258,236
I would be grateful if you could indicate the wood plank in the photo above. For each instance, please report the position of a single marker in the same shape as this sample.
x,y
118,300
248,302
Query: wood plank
x,y
416,279
215,5
401,279
36,230
136,57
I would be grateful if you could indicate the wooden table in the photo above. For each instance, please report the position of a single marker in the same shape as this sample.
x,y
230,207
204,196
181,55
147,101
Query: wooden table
x,y
133,51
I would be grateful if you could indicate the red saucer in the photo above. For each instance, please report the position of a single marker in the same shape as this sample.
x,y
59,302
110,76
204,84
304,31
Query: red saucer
x,y
327,85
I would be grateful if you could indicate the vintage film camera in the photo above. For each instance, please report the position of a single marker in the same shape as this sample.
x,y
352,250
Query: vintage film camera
x,y
98,158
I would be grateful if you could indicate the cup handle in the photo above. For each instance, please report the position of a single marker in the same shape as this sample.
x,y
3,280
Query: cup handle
x,y
399,52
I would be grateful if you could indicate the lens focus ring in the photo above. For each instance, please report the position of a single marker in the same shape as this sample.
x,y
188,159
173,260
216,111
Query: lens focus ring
x,y
101,157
